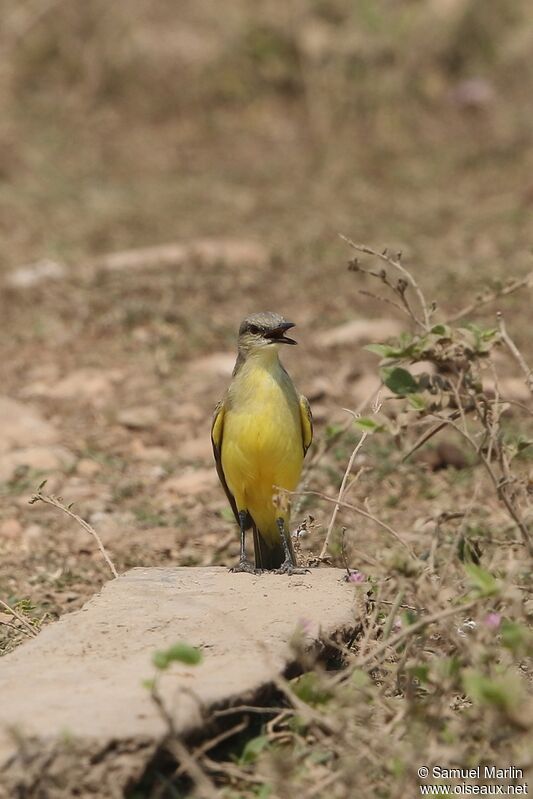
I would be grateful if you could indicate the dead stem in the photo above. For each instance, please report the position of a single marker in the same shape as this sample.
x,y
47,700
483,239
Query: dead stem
x,y
515,352
19,617
55,502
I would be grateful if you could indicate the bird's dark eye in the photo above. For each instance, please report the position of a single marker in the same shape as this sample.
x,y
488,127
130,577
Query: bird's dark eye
x,y
254,329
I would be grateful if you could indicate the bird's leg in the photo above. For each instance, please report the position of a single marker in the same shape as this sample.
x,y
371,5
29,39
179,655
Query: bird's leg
x,y
289,565
243,565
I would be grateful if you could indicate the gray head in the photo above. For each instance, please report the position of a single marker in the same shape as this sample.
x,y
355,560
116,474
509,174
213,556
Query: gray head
x,y
263,330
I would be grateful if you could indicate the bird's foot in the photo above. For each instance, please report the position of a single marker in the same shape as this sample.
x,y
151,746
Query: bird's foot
x,y
288,567
245,566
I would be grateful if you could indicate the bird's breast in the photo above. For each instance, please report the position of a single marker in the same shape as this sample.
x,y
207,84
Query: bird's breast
x,y
262,427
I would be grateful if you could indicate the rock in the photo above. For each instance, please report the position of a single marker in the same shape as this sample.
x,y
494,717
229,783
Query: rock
x,y
139,418
359,331
34,274
75,694
21,426
41,459
191,482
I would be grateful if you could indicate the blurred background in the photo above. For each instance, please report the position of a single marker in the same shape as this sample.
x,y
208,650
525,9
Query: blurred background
x,y
129,124
246,139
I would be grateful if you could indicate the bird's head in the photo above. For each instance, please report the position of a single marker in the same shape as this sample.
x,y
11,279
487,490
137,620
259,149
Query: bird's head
x,y
262,330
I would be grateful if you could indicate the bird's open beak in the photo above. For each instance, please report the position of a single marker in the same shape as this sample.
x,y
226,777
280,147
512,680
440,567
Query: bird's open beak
x,y
278,336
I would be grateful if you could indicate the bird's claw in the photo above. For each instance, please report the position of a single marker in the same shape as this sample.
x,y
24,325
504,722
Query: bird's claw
x,y
245,566
287,567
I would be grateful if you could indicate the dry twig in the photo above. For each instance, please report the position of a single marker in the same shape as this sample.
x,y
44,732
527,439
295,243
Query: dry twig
x,y
515,285
515,352
19,617
361,512
55,502
341,493
400,290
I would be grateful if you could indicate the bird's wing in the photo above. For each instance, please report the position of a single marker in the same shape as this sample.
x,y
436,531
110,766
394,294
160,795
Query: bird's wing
x,y
217,431
307,422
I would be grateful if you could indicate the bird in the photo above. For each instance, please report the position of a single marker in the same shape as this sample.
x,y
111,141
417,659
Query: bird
x,y
261,432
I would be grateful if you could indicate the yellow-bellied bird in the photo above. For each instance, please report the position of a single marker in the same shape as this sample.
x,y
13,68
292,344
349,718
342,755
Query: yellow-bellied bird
x,y
261,432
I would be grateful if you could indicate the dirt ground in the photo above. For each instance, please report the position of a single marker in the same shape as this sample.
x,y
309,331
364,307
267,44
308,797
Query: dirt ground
x,y
248,143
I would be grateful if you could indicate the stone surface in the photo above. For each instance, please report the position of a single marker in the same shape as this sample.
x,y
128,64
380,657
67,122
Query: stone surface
x,y
82,677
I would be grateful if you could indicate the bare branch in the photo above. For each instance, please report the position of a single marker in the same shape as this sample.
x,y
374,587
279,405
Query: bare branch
x,y
361,512
515,285
55,502
395,263
515,352
341,493
18,616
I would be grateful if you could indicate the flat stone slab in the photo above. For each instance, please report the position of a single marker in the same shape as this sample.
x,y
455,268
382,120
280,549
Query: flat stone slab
x,y
82,677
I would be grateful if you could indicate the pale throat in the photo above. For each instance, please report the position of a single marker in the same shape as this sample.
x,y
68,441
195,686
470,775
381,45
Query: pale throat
x,y
267,357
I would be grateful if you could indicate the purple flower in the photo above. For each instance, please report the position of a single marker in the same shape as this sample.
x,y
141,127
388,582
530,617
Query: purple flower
x,y
492,620
356,576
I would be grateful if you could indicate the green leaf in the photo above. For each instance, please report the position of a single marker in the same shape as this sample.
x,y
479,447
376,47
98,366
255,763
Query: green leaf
x,y
502,692
515,636
178,653
420,671
448,668
160,660
523,443
441,330
333,430
368,425
481,580
309,689
253,749
360,678
400,381
385,350
417,402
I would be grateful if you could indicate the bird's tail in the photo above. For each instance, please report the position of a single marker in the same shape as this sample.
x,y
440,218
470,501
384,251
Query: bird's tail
x,y
269,556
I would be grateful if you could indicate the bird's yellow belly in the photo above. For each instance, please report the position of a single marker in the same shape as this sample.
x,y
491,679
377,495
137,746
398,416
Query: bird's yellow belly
x,y
261,450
